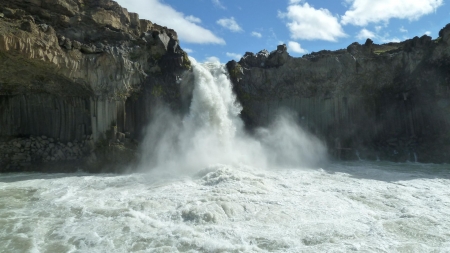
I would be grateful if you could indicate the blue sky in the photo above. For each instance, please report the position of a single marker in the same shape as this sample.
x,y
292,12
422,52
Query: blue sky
x,y
226,29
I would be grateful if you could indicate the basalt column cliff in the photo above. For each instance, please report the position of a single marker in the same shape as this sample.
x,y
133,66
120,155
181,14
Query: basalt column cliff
x,y
388,102
78,72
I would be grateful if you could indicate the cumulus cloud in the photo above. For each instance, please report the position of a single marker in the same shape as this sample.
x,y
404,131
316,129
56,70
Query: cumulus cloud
x,y
428,33
403,30
387,40
295,47
234,56
193,19
306,22
256,34
365,34
188,50
363,12
230,24
188,31
294,1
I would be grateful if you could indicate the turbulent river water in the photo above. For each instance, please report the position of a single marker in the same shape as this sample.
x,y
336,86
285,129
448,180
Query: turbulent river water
x,y
206,186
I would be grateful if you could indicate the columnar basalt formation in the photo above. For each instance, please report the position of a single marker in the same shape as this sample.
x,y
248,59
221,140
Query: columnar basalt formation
x,y
76,68
79,80
388,101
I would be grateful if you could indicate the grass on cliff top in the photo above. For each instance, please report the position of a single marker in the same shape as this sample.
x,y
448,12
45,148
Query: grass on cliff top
x,y
383,48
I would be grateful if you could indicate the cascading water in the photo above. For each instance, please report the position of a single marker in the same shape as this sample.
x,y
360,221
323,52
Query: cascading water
x,y
204,189
212,132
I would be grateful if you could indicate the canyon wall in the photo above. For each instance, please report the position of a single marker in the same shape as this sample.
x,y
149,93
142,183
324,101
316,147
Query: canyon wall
x,y
78,70
388,102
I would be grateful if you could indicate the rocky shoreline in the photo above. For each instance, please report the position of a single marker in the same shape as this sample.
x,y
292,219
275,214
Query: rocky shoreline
x,y
23,152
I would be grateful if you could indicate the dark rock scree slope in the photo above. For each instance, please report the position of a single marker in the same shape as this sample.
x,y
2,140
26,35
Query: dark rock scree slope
x,y
388,102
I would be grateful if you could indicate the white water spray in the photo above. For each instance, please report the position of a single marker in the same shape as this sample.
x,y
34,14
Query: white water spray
x,y
213,133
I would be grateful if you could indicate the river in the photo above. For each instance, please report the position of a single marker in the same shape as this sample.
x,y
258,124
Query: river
x,y
357,206
204,185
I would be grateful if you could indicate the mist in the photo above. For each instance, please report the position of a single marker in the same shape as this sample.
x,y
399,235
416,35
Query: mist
x,y
213,133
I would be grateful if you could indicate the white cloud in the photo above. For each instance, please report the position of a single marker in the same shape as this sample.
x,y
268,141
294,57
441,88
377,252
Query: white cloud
x,y
387,40
363,12
296,47
165,15
188,50
378,28
230,24
428,33
234,56
212,59
294,1
366,34
256,34
305,22
193,19
403,30
219,4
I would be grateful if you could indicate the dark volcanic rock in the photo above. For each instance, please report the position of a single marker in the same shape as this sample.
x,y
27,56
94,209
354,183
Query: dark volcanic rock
x,y
389,101
71,68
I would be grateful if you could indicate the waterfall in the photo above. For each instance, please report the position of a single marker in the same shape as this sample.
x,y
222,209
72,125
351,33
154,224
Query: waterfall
x,y
212,132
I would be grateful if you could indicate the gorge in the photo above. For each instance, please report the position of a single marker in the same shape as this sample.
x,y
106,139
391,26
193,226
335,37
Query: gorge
x,y
113,139
80,80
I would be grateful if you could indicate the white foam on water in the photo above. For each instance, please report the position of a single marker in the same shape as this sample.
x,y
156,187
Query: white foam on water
x,y
225,208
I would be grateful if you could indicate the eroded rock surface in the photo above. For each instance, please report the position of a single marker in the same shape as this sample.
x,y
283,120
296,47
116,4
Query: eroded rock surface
x,y
74,68
389,101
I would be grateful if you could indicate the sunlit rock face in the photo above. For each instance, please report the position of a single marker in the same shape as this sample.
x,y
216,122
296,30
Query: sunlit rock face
x,y
370,101
71,69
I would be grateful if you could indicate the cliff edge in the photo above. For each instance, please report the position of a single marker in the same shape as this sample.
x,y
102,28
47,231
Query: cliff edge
x,y
388,102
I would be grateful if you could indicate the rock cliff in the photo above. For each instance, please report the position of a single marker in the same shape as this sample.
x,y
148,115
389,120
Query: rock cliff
x,y
79,71
79,80
388,102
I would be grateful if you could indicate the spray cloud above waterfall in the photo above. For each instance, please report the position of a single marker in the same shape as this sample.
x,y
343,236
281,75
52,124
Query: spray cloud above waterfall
x,y
212,132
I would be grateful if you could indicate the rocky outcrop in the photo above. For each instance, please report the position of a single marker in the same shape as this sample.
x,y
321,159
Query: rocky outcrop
x,y
389,101
76,68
